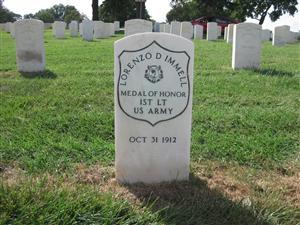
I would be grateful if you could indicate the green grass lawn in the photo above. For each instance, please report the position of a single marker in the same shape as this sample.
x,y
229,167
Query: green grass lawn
x,y
57,141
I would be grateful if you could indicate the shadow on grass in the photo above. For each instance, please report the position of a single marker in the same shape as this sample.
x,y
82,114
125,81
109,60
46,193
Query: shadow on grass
x,y
193,202
47,74
273,73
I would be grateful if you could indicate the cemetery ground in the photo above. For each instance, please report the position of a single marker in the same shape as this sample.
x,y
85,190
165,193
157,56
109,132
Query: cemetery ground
x,y
57,141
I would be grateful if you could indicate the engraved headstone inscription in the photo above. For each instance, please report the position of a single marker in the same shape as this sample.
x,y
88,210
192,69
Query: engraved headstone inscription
x,y
153,107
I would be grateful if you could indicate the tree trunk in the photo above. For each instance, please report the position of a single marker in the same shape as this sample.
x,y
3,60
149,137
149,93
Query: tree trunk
x,y
95,6
263,16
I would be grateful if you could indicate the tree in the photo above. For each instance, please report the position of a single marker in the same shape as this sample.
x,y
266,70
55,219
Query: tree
x,y
119,10
57,13
6,15
183,11
95,6
259,10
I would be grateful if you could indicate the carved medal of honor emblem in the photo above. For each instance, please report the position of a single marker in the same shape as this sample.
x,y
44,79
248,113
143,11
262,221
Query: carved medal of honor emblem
x,y
154,74
153,85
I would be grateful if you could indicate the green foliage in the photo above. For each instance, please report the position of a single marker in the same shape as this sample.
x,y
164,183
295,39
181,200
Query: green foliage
x,y
119,10
260,9
8,16
57,13
185,10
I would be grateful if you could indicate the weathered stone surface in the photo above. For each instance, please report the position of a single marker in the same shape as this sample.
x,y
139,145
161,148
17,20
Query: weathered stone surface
x,y
156,27
198,32
30,49
99,29
153,107
230,33
212,31
59,28
175,27
246,50
187,30
136,26
111,29
7,27
117,25
87,30
73,27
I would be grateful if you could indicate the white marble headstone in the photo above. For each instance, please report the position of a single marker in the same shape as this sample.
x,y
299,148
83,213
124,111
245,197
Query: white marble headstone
x,y
246,51
12,30
136,26
87,30
225,33
117,25
187,30
280,35
161,27
7,27
167,28
198,32
99,31
111,29
265,35
219,31
230,33
175,27
59,29
212,31
30,45
73,27
153,107
80,29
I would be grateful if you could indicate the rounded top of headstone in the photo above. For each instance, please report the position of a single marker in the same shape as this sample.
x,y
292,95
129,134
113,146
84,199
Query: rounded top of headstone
x,y
29,21
247,24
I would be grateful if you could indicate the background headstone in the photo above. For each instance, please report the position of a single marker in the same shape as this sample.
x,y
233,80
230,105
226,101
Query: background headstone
x,y
280,35
225,33
246,49
12,29
212,31
265,35
186,30
175,27
59,29
136,26
117,25
230,33
153,107
47,26
99,31
161,27
219,31
7,27
167,28
80,29
73,27
198,32
111,29
87,30
156,27
30,49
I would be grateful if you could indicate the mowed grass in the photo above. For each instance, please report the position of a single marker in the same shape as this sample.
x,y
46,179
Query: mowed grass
x,y
58,127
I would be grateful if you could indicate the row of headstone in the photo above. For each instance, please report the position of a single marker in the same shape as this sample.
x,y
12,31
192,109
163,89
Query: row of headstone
x,y
87,29
282,35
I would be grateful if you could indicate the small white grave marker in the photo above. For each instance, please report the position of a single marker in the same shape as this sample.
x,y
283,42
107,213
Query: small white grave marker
x,y
30,45
136,26
230,33
187,30
73,26
175,27
153,107
198,32
246,49
87,30
59,29
212,31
